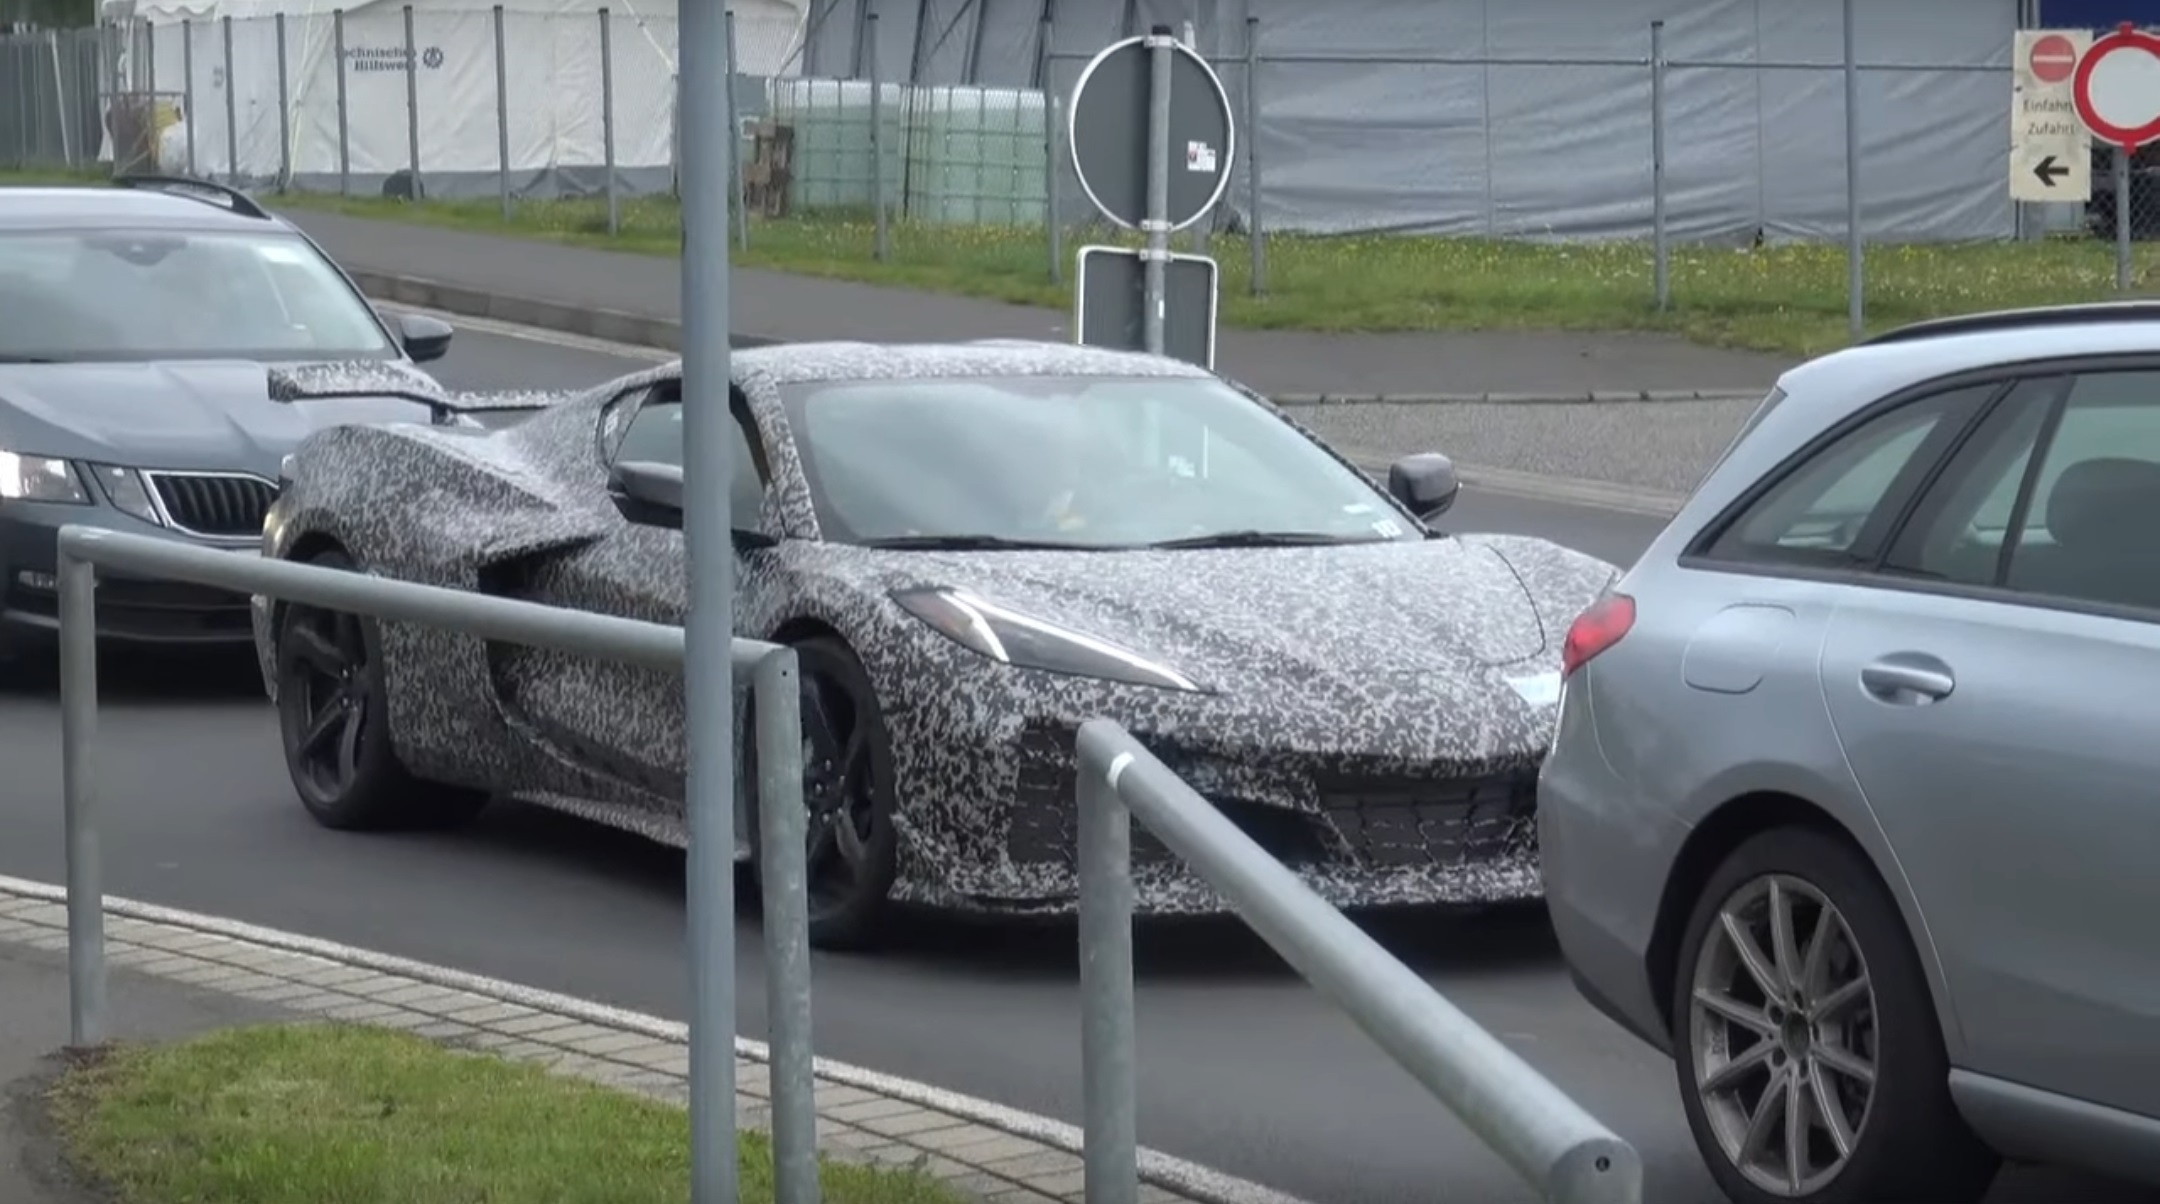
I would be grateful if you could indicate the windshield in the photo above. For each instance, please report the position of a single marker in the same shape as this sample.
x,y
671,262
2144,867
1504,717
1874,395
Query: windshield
x,y
1095,462
120,295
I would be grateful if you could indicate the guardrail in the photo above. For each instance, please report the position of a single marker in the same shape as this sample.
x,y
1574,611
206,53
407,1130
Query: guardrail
x,y
1546,1137
782,821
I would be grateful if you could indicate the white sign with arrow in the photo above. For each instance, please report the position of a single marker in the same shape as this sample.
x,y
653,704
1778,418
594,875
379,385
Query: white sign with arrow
x,y
2050,148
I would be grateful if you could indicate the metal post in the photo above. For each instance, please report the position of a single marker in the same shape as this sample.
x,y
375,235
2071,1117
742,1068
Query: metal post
x,y
708,670
1257,236
344,122
187,85
1660,254
1109,1141
782,825
1202,228
502,116
2122,219
412,106
284,111
607,122
1855,256
232,119
883,247
1053,131
78,735
736,190
1160,43
61,96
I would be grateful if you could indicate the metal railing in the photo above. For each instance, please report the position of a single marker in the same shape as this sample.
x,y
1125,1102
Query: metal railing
x,y
781,826
1546,1137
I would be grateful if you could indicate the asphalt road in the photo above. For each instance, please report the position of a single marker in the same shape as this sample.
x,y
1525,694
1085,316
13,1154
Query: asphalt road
x,y
1241,1065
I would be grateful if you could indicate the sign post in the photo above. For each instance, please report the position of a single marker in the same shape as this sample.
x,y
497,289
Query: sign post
x,y
2116,91
2050,148
1152,144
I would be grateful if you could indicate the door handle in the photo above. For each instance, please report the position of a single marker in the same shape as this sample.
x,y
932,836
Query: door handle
x,y
1908,680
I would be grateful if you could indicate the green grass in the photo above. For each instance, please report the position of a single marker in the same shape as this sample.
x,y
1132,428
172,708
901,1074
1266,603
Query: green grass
x,y
1787,299
333,1114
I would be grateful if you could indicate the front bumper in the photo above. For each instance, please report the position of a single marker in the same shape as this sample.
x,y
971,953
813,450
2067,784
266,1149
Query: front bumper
x,y
130,609
1363,829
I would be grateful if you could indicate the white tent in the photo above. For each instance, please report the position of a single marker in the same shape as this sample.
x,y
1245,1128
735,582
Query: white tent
x,y
551,90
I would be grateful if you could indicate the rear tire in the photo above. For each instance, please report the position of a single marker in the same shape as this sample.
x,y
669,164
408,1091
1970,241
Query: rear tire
x,y
334,723
1836,1019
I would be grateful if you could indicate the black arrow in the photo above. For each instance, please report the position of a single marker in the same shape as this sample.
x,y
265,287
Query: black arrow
x,y
2050,171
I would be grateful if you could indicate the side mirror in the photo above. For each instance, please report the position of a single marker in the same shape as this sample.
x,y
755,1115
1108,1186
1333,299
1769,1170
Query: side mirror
x,y
651,495
1425,484
424,338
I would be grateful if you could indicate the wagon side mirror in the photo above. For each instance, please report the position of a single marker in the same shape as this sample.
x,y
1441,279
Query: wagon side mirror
x,y
1425,484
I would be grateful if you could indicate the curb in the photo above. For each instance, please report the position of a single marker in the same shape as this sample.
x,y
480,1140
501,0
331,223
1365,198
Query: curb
x,y
617,326
1040,1157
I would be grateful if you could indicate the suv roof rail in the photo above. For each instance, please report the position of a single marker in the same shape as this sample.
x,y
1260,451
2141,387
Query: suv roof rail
x,y
201,190
2021,319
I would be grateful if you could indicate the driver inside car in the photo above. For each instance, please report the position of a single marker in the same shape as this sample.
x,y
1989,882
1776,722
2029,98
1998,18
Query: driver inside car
x,y
1086,469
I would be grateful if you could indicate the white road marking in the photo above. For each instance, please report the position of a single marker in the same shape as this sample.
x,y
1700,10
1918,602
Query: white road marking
x,y
1175,1174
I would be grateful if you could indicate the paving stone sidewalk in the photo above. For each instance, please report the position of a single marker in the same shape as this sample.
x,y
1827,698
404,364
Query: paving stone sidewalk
x,y
856,1122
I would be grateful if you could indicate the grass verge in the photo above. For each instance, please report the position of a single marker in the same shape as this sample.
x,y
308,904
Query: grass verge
x,y
336,1114
1784,299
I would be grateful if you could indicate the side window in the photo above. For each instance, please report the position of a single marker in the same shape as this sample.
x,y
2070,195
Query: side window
x,y
1832,509
2089,532
1958,531
654,433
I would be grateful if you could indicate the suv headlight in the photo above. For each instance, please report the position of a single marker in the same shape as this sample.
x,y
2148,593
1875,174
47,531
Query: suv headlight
x,y
39,479
1011,638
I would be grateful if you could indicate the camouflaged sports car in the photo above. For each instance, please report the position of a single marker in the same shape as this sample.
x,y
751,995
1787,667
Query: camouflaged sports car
x,y
975,548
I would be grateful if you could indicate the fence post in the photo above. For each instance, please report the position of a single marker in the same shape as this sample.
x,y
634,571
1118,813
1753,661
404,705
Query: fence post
x,y
607,122
1110,1138
1660,253
1053,114
1855,254
61,93
78,735
1254,232
412,106
882,248
736,187
284,111
232,119
187,85
344,122
502,116
784,875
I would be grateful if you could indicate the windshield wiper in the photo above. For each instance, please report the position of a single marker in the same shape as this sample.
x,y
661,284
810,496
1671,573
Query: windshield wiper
x,y
971,543
1262,539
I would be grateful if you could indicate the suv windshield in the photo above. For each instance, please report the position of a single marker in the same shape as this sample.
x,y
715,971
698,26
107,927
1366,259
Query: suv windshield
x,y
122,295
1091,462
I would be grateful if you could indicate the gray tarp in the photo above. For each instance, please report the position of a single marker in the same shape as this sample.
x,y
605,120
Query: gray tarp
x,y
1483,145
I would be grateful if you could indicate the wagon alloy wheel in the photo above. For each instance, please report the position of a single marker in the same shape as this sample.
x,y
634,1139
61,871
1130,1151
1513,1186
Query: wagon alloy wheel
x,y
1782,1025
839,792
335,681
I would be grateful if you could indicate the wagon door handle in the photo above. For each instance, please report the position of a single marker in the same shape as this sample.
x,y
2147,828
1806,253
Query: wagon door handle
x,y
1908,679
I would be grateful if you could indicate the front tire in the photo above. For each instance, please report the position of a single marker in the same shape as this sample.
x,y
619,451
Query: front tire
x,y
1810,1061
848,789
334,723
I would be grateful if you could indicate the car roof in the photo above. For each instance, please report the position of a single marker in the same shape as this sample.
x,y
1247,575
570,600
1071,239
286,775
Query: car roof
x,y
1832,385
141,205
804,363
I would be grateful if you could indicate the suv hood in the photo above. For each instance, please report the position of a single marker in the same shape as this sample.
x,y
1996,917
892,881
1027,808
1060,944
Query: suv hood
x,y
180,414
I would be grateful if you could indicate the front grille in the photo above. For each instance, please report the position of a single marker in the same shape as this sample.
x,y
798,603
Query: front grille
x,y
1408,823
219,504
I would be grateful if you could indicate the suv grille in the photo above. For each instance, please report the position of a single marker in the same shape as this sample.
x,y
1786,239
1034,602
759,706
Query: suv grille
x,y
217,504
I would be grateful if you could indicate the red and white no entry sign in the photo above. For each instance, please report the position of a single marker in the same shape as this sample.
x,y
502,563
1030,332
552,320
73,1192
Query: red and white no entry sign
x,y
2052,58
2117,89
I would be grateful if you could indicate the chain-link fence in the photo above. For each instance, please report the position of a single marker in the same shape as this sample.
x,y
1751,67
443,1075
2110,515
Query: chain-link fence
x,y
1670,180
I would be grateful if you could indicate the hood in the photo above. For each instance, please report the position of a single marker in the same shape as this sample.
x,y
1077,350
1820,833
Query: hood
x,y
180,414
1239,619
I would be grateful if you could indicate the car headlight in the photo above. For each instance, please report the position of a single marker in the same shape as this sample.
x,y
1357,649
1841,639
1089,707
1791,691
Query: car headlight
x,y
39,479
125,489
1011,638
